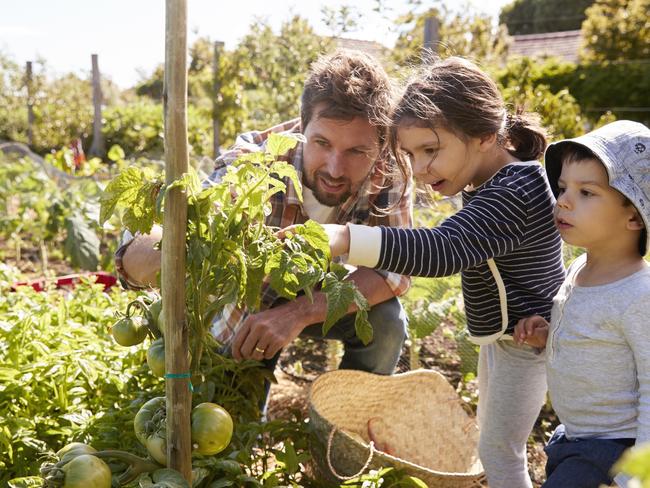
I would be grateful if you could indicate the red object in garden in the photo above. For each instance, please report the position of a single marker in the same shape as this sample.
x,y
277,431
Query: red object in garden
x,y
78,155
69,281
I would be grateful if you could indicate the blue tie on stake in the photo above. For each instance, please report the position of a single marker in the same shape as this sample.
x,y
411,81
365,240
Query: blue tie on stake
x,y
180,376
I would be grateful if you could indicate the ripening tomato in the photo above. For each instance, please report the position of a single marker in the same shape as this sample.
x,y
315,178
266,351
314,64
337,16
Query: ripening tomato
x,y
149,425
129,331
86,471
156,357
73,450
153,315
211,428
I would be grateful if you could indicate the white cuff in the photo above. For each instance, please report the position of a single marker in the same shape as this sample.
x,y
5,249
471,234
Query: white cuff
x,y
365,245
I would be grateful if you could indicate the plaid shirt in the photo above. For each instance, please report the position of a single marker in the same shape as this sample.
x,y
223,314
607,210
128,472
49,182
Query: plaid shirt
x,y
286,209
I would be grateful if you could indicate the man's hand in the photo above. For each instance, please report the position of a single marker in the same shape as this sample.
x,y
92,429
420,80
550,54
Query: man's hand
x,y
265,333
532,331
338,235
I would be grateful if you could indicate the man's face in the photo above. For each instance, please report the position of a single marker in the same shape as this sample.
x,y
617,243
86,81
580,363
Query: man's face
x,y
338,156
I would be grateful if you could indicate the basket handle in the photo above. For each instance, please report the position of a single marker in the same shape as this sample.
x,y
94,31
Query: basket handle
x,y
330,439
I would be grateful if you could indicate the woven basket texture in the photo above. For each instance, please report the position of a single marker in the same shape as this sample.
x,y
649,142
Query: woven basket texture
x,y
417,414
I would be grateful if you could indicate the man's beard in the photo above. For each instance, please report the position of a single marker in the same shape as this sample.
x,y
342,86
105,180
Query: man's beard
x,y
322,196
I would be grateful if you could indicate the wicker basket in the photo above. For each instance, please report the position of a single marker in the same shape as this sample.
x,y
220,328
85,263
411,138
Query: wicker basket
x,y
418,414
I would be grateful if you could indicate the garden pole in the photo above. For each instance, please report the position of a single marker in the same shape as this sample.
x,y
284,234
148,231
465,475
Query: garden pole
x,y
216,89
98,147
430,46
177,365
30,104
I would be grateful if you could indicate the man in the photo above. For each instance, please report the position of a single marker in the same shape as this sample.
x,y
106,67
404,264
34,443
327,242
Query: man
x,y
344,166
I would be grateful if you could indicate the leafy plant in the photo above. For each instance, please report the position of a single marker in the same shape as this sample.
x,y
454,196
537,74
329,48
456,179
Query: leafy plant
x,y
46,399
231,254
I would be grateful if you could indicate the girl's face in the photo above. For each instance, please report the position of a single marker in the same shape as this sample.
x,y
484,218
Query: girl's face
x,y
440,160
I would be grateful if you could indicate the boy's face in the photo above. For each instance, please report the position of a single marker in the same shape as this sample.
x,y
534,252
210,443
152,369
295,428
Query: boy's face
x,y
590,213
338,156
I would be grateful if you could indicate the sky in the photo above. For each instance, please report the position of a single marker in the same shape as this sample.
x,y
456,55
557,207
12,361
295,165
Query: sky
x,y
128,35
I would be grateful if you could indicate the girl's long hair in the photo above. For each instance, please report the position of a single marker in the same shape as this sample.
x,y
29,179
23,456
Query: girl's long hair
x,y
456,95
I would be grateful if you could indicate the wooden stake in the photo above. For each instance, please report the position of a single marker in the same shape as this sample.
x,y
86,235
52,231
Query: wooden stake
x,y
30,104
430,47
98,147
177,367
216,89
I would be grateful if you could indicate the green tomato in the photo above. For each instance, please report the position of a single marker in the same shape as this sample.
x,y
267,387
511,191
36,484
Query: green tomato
x,y
149,425
156,357
153,315
86,471
74,449
212,428
129,331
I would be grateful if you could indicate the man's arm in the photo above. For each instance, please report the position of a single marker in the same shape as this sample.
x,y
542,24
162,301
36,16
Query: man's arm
x,y
141,260
273,329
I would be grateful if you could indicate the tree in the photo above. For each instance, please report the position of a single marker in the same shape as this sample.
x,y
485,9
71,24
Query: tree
x,y
538,16
273,69
345,19
617,30
468,34
200,87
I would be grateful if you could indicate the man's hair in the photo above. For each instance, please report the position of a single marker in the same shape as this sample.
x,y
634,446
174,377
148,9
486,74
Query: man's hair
x,y
349,84
574,153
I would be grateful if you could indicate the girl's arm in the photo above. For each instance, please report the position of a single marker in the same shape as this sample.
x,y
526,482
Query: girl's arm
x,y
492,224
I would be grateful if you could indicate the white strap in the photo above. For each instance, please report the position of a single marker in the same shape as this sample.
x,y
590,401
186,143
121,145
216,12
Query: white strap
x,y
503,302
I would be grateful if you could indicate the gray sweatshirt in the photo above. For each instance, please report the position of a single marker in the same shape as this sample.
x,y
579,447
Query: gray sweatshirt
x,y
598,357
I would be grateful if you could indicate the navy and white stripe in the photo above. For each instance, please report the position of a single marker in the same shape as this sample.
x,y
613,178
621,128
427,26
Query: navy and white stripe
x,y
509,219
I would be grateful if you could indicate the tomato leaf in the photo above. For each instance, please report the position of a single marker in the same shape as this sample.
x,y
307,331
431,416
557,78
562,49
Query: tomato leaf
x,y
280,144
81,243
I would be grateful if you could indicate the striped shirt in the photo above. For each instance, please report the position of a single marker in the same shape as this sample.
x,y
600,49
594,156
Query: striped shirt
x,y
509,219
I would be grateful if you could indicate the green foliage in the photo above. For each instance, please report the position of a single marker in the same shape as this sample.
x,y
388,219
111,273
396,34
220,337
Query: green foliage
x,y
62,105
35,210
521,86
636,462
468,34
273,68
590,86
538,16
139,129
46,398
385,478
617,30
341,20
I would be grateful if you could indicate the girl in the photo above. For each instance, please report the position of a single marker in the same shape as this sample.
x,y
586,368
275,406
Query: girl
x,y
452,127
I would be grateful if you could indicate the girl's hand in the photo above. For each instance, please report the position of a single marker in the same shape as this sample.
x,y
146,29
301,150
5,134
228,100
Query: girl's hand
x,y
338,235
532,331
